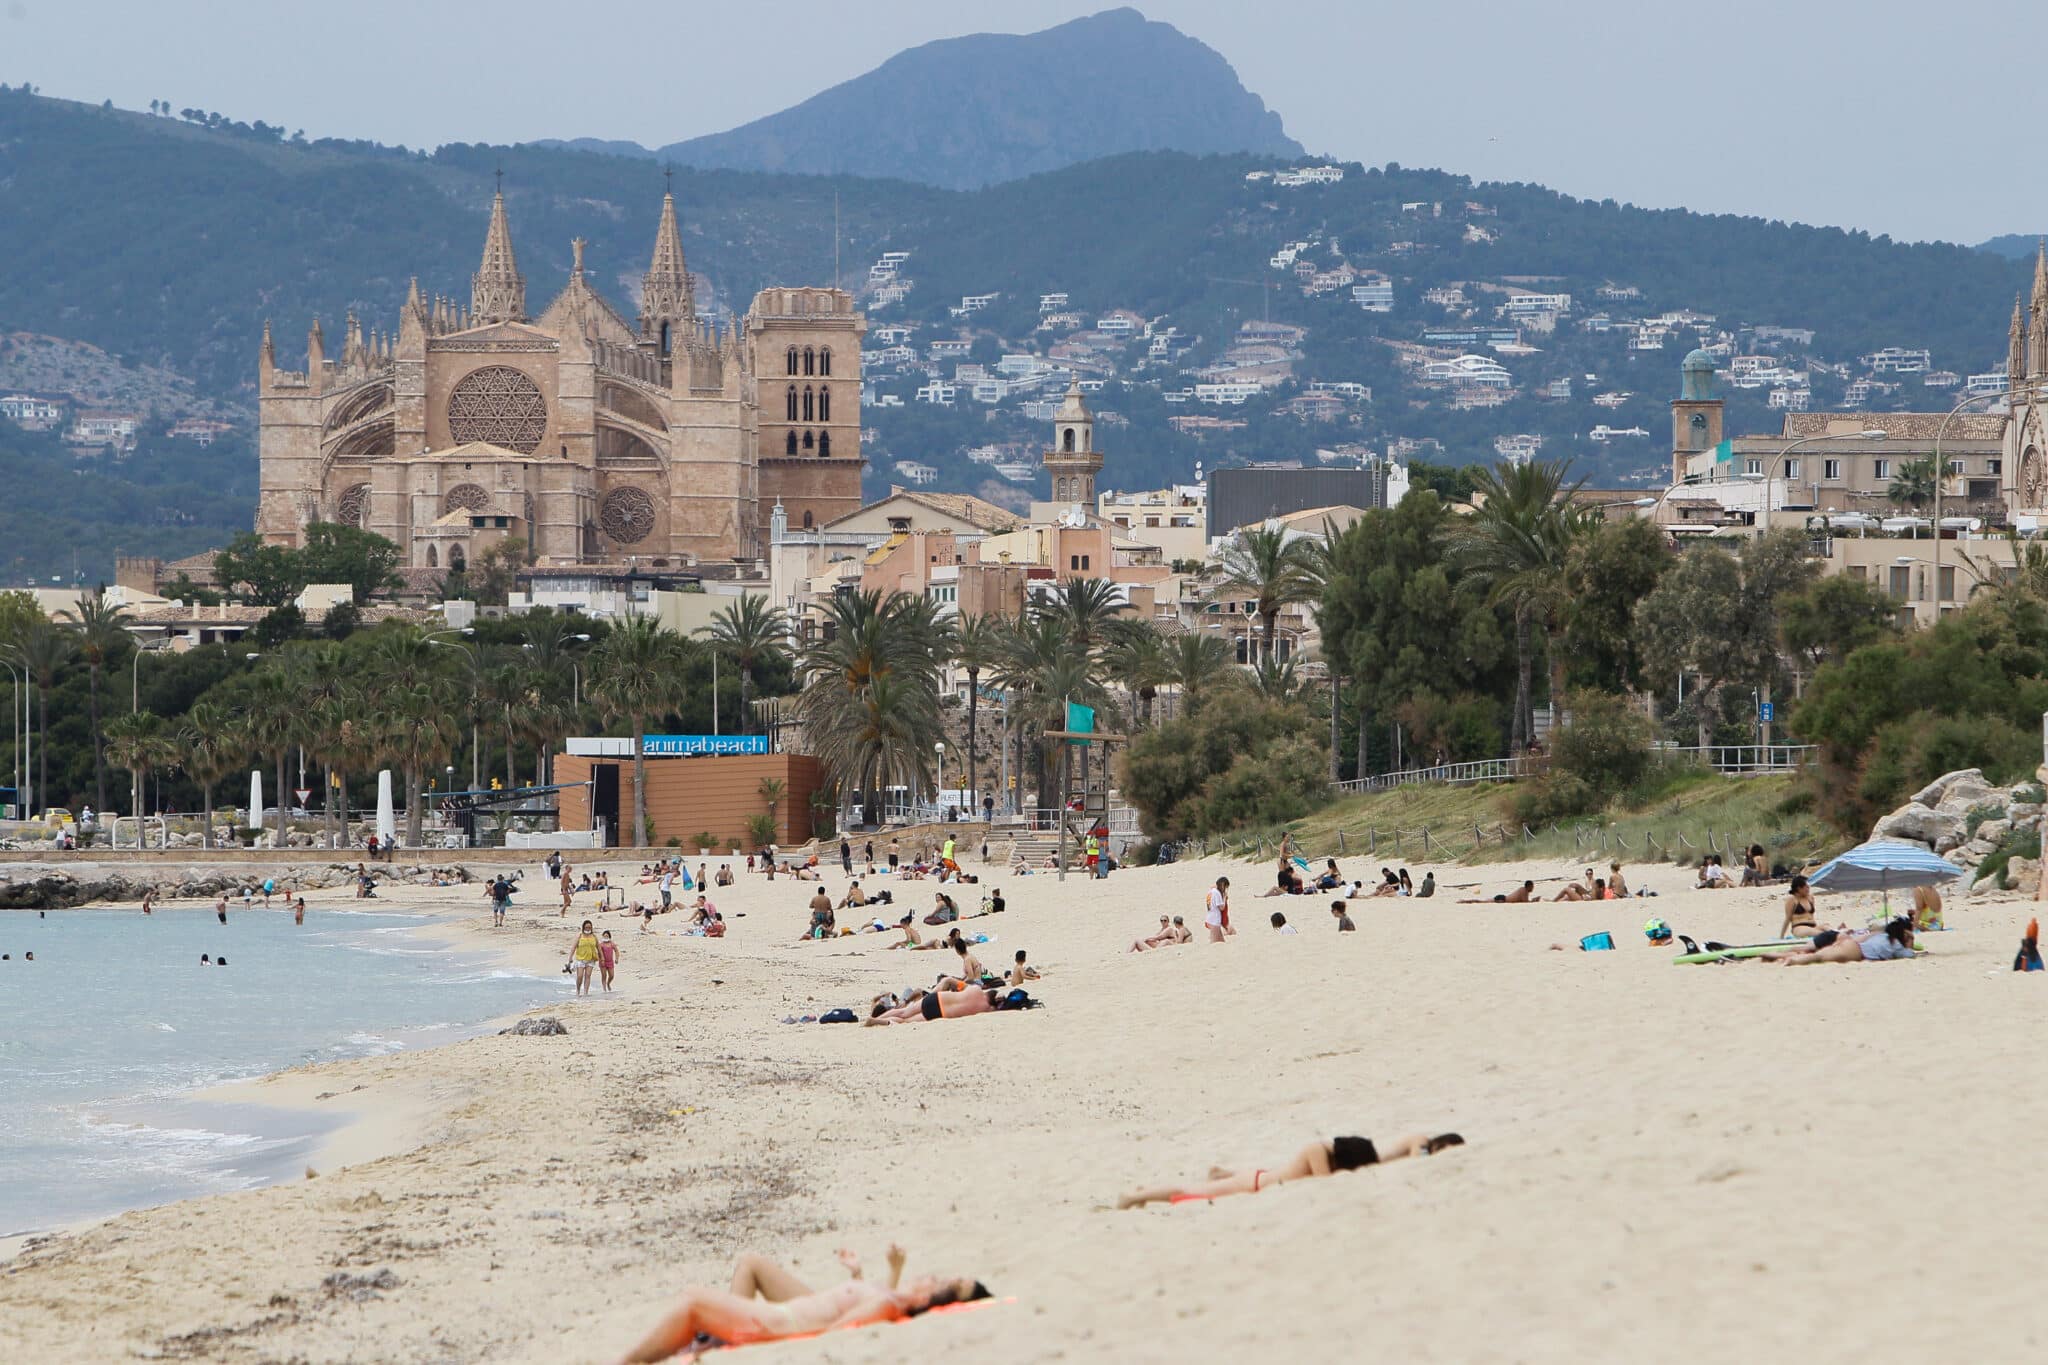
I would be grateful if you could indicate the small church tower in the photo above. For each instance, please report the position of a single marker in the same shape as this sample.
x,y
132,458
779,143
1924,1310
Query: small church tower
x,y
1695,413
497,292
1073,462
668,310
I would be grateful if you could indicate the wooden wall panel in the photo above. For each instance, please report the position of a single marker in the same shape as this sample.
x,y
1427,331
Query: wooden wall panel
x,y
687,795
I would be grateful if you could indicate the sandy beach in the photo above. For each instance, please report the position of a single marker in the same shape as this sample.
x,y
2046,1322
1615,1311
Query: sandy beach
x,y
1738,1162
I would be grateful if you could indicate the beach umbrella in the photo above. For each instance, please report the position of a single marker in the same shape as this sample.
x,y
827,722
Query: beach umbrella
x,y
1881,865
256,798
387,823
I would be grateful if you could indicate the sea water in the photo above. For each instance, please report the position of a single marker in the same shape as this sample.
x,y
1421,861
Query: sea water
x,y
104,1036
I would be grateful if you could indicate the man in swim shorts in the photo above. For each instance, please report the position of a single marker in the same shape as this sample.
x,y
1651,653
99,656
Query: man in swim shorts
x,y
939,1005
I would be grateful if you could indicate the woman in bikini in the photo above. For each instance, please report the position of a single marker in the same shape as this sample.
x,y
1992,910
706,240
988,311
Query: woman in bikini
x,y
767,1303
1311,1162
1800,921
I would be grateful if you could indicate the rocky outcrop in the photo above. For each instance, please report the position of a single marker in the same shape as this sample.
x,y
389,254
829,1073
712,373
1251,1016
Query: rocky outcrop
x,y
31,886
1967,820
544,1027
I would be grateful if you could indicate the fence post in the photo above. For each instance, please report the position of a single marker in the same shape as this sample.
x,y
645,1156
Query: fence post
x,y
1340,841
1478,839
1372,841
1397,841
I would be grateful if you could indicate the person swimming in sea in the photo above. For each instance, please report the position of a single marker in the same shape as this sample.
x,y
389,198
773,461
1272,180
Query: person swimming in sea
x,y
220,909
1312,1162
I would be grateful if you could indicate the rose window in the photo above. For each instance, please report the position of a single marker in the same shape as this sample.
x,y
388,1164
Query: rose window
x,y
498,405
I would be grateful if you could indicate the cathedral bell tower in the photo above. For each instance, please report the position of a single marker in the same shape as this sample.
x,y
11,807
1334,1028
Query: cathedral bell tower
x,y
1696,415
1073,462
497,292
668,309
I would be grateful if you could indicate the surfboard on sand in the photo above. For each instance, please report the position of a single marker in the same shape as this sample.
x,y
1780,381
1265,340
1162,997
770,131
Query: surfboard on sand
x,y
1719,954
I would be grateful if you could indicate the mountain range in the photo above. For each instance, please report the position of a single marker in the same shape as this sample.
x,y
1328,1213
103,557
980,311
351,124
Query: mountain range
x,y
168,242
972,111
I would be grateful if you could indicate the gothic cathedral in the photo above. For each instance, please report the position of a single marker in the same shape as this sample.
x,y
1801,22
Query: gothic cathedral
x,y
589,438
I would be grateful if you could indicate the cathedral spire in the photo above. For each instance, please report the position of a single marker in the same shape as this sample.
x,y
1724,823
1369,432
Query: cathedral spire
x,y
2041,276
497,292
667,306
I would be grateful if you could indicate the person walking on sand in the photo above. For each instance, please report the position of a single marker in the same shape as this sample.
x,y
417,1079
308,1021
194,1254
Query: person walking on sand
x,y
568,891
607,958
583,957
1217,915
501,901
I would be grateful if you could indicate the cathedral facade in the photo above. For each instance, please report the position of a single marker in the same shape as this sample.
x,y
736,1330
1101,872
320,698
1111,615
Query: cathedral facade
x,y
590,438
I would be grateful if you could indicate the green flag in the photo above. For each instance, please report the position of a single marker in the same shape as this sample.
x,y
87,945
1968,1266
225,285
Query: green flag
x,y
1080,720
1724,451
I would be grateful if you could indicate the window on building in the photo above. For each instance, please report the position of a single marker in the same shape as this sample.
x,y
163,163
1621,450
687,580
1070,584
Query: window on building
x,y
825,361
807,521
1880,469
810,441
433,558
824,404
1084,561
1994,466
1901,581
1067,440
792,360
810,361
824,443
791,404
810,403
1831,469
1948,585
789,446
1753,466
1074,563
1955,466
1792,468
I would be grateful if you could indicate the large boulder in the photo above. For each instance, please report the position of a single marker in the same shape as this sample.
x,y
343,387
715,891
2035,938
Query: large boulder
x,y
1967,782
1939,829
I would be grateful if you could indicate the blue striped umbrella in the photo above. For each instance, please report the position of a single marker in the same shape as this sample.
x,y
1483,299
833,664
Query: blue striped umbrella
x,y
1881,865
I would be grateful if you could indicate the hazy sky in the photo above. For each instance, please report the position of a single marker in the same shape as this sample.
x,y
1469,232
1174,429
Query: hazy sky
x,y
1898,116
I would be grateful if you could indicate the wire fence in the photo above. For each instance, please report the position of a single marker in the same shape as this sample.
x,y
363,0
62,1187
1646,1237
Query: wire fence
x,y
1734,760
1428,843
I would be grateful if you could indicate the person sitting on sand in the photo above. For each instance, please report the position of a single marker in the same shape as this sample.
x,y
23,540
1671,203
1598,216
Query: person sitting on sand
x,y
1331,878
1756,867
769,1303
911,938
1893,941
1340,912
1390,884
944,909
1521,895
1311,1162
1615,884
822,921
1020,972
940,1005
1281,926
1713,877
1171,934
1407,886
970,972
1289,884
1800,917
1926,909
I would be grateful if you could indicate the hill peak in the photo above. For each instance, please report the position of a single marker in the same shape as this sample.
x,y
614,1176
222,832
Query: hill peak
x,y
988,107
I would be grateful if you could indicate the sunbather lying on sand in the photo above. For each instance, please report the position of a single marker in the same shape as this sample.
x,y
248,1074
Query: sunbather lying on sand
x,y
1521,895
1176,932
767,1302
938,1005
1895,940
1316,1159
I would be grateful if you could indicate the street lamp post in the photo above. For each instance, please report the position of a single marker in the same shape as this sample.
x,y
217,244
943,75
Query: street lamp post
x,y
1940,473
15,713
939,796
475,674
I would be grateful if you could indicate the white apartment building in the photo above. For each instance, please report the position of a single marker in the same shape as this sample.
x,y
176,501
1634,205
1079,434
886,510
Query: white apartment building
x,y
104,429
1604,433
1941,379
1611,399
951,348
916,472
890,334
1468,371
1119,324
1445,296
1790,399
1309,175
939,392
892,292
1375,295
1897,360
1990,382
1521,305
1232,393
38,414
1349,389
1518,449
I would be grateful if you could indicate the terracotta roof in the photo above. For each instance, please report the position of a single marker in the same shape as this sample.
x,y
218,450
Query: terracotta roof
x,y
968,508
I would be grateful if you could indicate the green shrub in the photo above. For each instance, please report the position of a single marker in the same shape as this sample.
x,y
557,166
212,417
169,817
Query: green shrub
x,y
1282,781
1181,774
1798,801
1554,795
2030,795
761,829
2022,841
705,839
1978,814
673,841
1606,744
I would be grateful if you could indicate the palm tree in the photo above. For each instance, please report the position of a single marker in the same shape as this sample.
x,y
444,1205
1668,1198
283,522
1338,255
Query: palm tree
x,y
1194,661
275,711
212,744
140,742
43,652
1912,484
101,628
772,790
635,674
1087,608
1276,572
750,632
870,707
418,733
505,692
975,643
1136,661
1514,549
